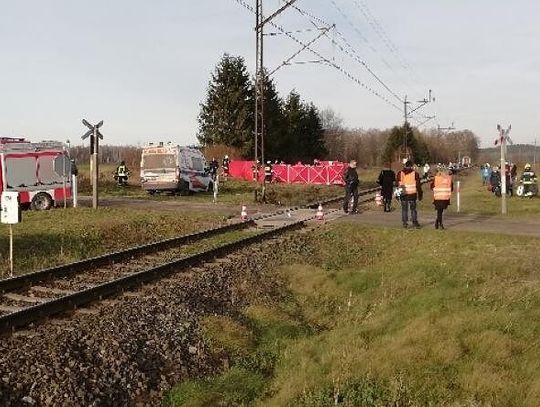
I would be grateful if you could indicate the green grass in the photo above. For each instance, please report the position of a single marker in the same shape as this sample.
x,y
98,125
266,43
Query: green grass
x,y
59,236
476,199
368,322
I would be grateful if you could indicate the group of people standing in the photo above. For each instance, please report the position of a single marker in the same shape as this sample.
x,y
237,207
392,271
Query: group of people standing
x,y
406,186
492,178
213,167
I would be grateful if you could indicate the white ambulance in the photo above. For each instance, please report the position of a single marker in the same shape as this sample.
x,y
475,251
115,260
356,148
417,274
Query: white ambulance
x,y
167,167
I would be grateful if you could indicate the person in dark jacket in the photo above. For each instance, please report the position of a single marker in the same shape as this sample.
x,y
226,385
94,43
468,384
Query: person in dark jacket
x,y
387,179
408,181
351,187
495,181
213,167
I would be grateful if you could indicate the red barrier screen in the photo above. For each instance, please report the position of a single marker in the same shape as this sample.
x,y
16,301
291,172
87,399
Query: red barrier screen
x,y
324,173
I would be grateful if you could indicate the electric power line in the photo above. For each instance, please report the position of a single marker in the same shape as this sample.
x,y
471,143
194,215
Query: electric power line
x,y
326,60
355,56
381,33
352,54
362,37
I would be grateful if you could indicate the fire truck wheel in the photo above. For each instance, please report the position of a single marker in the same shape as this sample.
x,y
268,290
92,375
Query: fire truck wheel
x,y
184,189
41,202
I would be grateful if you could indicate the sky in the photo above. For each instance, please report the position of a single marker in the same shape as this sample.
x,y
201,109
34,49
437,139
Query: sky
x,y
143,67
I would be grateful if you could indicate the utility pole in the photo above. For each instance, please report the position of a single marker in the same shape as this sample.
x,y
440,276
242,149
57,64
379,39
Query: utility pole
x,y
534,154
503,140
260,22
407,114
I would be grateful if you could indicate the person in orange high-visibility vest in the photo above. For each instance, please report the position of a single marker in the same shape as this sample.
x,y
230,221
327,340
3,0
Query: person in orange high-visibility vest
x,y
408,181
442,186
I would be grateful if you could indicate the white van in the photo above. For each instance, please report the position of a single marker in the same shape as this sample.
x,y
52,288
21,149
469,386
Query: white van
x,y
173,168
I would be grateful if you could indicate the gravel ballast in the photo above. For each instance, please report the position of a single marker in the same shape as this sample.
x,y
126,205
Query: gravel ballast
x,y
130,350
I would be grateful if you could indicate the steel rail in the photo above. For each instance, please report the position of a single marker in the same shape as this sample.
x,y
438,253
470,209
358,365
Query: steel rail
x,y
24,280
69,302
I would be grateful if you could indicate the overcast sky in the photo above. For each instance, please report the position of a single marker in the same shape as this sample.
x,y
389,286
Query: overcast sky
x,y
143,66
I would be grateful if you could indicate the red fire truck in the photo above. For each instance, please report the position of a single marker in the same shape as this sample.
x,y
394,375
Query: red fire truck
x,y
40,172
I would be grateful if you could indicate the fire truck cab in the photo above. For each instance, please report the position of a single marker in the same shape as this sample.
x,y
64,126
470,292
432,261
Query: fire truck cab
x,y
40,172
174,169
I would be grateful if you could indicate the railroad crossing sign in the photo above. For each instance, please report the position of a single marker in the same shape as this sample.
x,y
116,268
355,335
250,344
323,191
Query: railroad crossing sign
x,y
94,134
503,135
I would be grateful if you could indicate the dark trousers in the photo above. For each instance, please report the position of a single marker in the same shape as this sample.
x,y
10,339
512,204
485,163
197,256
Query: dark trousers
x,y
387,201
438,221
350,191
405,205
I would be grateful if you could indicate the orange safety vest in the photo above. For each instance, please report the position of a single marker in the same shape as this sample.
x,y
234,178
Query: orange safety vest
x,y
408,182
442,188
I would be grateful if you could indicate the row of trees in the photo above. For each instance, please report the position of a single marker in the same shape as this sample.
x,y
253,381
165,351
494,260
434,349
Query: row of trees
x,y
298,131
293,127
374,147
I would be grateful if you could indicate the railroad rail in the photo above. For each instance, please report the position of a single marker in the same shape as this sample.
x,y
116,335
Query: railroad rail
x,y
47,301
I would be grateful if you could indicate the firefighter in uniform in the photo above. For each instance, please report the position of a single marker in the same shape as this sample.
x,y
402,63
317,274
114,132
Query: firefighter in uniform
x,y
268,172
214,165
528,179
255,168
408,181
225,165
121,174
442,187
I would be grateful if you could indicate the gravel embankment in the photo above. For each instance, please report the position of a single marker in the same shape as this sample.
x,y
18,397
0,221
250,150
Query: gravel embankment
x,y
132,349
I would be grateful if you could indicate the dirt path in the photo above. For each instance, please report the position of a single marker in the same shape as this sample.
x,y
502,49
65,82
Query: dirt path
x,y
452,221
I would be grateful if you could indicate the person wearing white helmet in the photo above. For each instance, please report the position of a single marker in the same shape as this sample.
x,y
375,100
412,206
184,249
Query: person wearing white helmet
x,y
268,172
225,165
528,179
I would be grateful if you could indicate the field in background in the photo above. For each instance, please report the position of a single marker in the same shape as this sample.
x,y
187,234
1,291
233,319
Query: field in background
x,y
365,322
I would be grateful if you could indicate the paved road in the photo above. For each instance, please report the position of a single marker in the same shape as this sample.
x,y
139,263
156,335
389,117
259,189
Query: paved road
x,y
452,221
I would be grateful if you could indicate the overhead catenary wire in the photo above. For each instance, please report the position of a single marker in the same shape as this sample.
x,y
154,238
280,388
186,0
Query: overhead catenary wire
x,y
326,60
353,54
363,37
381,33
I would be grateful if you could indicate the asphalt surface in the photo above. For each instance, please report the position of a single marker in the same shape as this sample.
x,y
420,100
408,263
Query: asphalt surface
x,y
368,216
451,221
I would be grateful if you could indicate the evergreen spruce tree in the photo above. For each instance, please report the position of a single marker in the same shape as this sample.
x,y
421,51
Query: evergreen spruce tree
x,y
294,117
226,116
303,139
416,147
274,122
313,140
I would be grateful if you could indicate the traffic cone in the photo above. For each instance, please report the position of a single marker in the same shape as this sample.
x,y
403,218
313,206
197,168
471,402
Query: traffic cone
x,y
378,199
243,213
320,213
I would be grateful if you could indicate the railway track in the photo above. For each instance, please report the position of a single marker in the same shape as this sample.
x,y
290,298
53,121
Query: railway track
x,y
36,296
